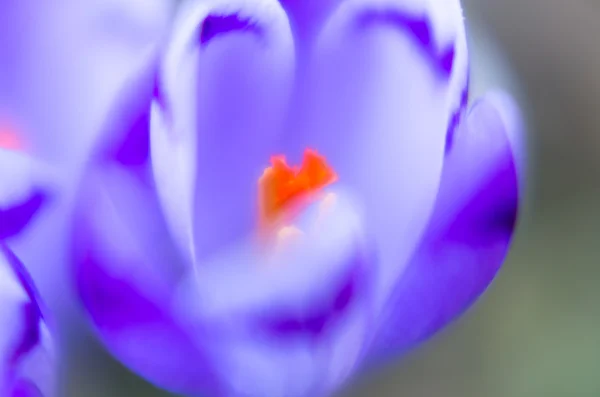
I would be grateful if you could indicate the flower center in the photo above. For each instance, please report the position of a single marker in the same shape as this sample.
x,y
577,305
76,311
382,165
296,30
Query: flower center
x,y
284,191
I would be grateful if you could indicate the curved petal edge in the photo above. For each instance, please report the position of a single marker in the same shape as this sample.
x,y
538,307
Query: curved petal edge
x,y
126,272
468,236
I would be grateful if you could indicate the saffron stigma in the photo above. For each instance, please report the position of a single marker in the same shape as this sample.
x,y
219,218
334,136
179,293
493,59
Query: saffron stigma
x,y
284,190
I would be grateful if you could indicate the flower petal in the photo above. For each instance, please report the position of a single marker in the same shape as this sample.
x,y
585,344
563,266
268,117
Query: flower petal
x,y
467,238
126,270
126,132
289,324
26,348
307,16
384,83
25,187
63,62
220,99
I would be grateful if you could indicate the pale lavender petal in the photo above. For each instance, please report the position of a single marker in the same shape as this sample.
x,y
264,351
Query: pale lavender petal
x,y
386,80
26,347
16,217
467,238
64,61
126,272
26,186
220,98
292,323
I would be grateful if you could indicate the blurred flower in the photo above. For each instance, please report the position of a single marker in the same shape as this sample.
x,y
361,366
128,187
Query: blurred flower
x,y
27,362
208,270
62,65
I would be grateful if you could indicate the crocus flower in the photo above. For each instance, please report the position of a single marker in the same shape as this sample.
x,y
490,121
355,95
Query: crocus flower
x,y
306,196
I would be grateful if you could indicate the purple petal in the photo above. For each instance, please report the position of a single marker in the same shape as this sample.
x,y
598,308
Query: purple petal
x,y
419,27
307,16
66,90
25,388
26,187
126,271
126,132
216,25
26,350
376,101
467,238
63,65
257,279
215,122
15,218
130,125
291,323
314,323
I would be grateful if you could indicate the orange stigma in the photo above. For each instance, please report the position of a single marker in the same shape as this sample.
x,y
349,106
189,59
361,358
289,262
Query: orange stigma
x,y
281,185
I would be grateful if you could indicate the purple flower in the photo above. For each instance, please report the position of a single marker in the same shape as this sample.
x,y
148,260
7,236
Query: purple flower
x,y
27,363
208,271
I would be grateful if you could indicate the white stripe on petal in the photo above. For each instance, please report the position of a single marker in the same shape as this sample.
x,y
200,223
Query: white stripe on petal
x,y
382,89
218,107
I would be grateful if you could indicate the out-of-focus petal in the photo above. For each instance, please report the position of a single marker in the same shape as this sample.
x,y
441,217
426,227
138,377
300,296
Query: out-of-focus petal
x,y
62,62
292,323
511,114
126,266
26,185
27,362
220,98
126,270
467,238
377,100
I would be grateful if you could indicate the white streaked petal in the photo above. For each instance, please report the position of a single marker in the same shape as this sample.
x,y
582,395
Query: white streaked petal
x,y
223,90
380,95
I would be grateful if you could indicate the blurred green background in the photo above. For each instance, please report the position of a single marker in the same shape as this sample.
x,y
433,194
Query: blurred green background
x,y
536,332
